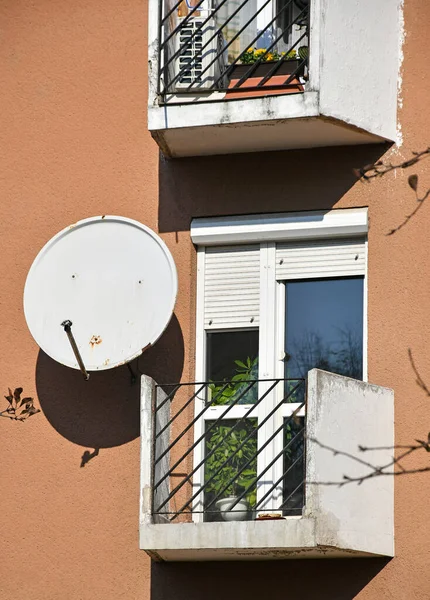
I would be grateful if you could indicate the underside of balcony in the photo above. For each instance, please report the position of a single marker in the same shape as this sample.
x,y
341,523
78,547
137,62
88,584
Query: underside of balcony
x,y
251,125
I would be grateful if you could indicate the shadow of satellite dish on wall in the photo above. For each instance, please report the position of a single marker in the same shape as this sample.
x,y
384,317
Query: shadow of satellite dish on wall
x,y
97,293
103,412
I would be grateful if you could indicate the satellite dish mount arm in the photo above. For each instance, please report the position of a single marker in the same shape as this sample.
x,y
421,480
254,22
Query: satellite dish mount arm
x,y
67,326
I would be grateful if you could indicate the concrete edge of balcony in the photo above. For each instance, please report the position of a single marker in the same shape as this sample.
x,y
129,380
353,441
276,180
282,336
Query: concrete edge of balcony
x,y
289,538
234,112
250,125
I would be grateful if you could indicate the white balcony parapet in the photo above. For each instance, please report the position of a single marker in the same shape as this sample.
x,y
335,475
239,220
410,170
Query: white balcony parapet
x,y
337,521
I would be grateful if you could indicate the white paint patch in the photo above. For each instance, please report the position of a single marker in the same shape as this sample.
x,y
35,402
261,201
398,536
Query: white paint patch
x,y
402,37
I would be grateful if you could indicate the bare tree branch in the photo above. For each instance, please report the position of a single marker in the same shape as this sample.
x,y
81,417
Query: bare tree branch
x,y
395,466
412,214
392,468
379,169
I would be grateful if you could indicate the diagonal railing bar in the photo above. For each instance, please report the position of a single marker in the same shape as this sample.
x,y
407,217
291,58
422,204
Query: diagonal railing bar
x,y
201,438
292,493
284,474
171,11
278,64
233,454
266,443
254,66
239,57
208,42
166,84
180,411
249,488
170,446
188,44
201,463
167,398
234,38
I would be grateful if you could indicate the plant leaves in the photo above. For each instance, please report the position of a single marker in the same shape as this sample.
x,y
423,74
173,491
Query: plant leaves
x,y
239,363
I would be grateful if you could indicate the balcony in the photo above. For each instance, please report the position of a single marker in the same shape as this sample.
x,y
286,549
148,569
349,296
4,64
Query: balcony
x,y
230,470
224,73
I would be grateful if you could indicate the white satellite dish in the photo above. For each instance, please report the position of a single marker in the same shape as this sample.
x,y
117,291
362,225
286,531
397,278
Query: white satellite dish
x,y
100,292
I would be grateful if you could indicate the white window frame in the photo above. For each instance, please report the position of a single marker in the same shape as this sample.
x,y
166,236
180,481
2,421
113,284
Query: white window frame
x,y
266,230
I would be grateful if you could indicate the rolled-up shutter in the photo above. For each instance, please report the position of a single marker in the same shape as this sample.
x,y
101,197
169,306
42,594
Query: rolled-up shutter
x,y
232,287
325,258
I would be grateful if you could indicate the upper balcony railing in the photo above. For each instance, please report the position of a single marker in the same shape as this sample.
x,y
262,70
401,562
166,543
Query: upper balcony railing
x,y
253,47
271,74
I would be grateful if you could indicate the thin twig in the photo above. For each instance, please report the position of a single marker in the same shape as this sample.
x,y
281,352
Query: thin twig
x,y
410,215
379,169
375,470
419,380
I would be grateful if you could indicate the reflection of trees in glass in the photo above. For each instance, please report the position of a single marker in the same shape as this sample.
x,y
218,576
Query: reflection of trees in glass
x,y
343,356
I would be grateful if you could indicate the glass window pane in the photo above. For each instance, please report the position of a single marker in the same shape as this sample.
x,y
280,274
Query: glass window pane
x,y
227,451
232,356
324,326
294,467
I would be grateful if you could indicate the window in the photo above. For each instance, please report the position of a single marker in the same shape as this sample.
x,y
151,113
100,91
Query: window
x,y
324,326
272,310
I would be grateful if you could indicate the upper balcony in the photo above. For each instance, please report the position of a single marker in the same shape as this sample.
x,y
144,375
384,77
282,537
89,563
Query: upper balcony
x,y
325,72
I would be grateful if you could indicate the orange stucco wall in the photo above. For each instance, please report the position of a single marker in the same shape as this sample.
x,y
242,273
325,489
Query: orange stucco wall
x,y
74,144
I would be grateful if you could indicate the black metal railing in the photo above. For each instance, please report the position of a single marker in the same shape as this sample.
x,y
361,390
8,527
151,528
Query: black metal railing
x,y
232,47
228,450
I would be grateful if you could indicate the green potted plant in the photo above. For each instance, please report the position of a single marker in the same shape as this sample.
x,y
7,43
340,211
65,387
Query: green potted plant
x,y
228,449
245,371
222,476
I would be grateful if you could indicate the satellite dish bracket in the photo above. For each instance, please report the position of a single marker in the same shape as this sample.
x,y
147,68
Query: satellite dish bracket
x,y
67,325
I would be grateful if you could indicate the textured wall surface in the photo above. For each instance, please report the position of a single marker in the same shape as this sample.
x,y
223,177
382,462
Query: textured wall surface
x,y
74,144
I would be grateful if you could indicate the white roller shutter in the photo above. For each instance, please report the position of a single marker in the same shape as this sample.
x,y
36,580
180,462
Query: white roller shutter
x,y
232,287
326,258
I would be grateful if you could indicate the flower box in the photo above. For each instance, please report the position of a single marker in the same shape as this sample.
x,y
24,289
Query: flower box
x,y
275,84
287,67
